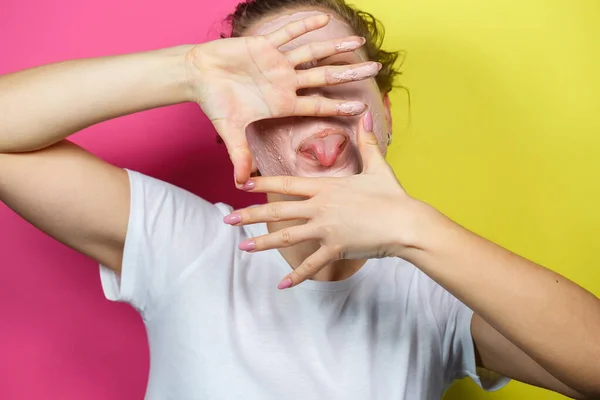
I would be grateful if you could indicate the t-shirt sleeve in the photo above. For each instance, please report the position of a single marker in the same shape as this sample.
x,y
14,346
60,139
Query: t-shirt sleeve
x,y
168,229
458,351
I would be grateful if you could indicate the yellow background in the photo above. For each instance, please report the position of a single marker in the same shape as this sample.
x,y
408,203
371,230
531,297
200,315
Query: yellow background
x,y
505,131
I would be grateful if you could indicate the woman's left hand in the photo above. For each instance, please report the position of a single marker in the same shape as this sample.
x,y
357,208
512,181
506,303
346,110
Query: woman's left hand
x,y
368,215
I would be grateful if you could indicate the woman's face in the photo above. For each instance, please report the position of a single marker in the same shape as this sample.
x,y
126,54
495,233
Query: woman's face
x,y
313,146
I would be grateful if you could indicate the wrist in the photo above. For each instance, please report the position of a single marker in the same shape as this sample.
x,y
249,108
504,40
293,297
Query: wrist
x,y
419,227
166,75
180,77
200,61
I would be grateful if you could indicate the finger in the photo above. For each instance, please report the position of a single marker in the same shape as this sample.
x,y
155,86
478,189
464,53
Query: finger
x,y
335,75
286,185
277,240
254,168
307,269
318,50
368,145
271,212
317,106
237,147
296,29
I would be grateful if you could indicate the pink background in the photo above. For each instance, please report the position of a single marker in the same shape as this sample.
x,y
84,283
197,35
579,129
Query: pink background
x,y
59,337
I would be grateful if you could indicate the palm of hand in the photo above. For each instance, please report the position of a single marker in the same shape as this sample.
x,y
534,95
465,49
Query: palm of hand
x,y
242,80
250,80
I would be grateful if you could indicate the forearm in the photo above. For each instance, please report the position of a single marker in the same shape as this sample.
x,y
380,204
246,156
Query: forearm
x,y
551,319
43,105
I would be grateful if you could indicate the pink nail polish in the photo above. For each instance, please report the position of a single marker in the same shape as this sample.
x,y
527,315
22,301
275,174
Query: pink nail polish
x,y
285,284
248,245
233,218
249,185
368,121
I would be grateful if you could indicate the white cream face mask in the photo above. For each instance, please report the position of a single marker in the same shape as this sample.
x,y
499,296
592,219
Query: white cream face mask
x,y
308,146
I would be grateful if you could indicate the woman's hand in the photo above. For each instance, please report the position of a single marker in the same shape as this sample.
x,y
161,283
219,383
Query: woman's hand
x,y
238,81
362,216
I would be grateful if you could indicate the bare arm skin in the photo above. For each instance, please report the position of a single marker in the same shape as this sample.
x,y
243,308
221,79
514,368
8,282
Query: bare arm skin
x,y
498,354
530,323
60,188
83,201
43,105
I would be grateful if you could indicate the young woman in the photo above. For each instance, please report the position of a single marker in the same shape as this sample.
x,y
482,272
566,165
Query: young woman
x,y
381,296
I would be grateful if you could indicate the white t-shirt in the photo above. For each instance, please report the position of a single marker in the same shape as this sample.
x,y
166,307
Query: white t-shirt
x,y
218,328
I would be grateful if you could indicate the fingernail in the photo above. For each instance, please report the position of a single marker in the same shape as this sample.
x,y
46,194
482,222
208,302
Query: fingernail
x,y
351,108
368,121
248,245
329,16
363,41
249,185
235,181
379,66
233,218
348,46
285,284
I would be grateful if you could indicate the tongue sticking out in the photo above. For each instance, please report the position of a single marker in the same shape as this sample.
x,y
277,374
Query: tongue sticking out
x,y
325,150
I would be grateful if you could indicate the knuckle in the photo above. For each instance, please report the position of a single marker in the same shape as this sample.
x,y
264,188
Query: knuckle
x,y
310,268
275,211
295,109
318,106
237,150
287,185
286,237
289,31
370,139
336,248
327,231
338,251
329,76
312,49
300,81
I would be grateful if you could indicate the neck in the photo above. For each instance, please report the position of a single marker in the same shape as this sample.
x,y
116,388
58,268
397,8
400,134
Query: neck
x,y
295,255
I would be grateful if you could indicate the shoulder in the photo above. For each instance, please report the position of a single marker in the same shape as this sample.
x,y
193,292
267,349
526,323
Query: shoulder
x,y
153,193
421,290
172,219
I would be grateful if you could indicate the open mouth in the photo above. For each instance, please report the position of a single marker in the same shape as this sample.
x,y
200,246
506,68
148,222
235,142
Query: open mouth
x,y
324,147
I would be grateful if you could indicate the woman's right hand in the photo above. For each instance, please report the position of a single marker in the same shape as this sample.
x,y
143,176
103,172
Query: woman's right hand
x,y
238,81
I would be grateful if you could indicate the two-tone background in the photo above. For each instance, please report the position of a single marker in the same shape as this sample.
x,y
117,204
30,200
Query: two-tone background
x,y
504,137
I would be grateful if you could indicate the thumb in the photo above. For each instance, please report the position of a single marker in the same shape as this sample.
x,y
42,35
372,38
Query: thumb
x,y
368,145
237,147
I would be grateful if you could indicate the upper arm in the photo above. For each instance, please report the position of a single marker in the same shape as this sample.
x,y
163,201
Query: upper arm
x,y
72,196
496,353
